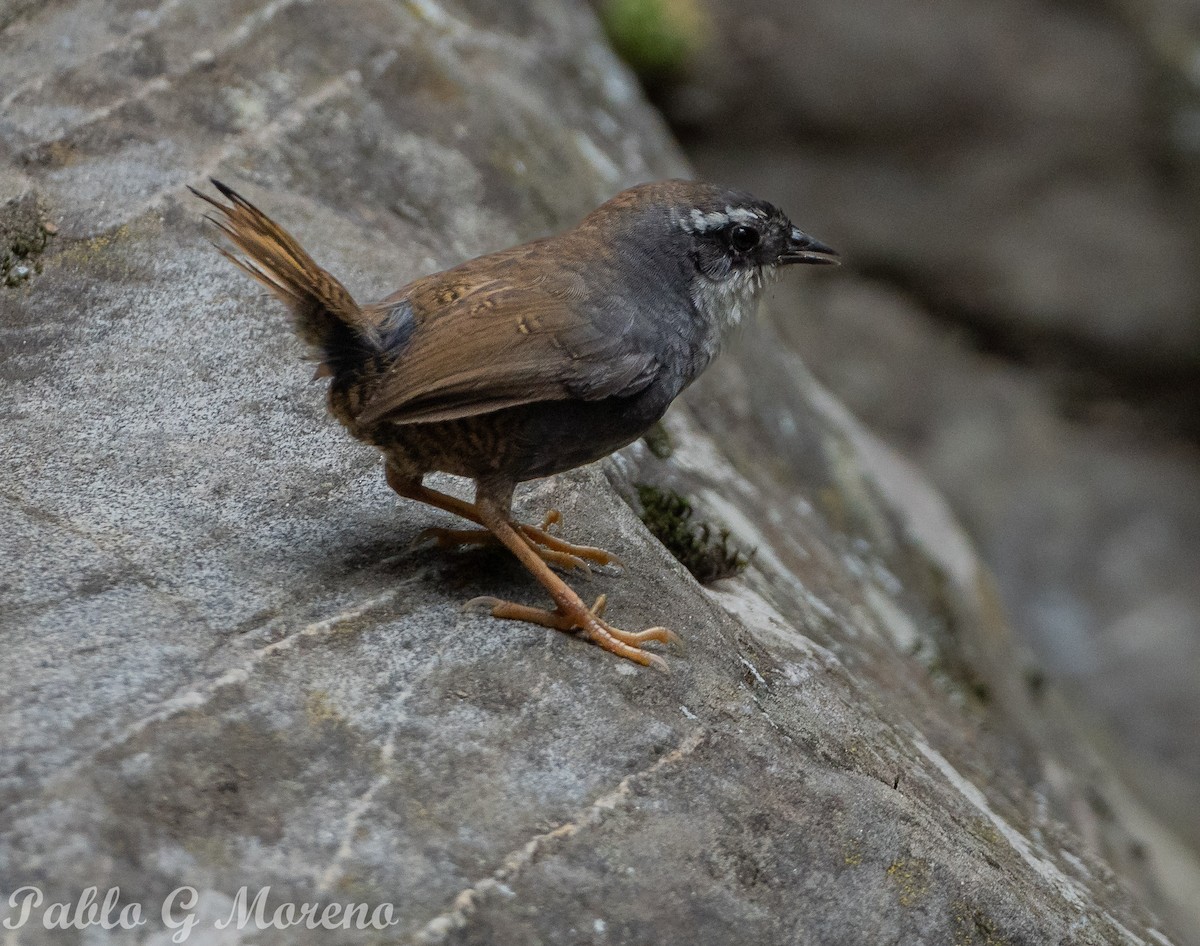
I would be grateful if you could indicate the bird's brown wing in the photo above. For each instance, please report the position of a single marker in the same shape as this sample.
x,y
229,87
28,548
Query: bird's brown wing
x,y
483,345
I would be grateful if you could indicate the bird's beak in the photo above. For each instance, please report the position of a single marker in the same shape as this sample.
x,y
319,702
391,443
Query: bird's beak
x,y
805,249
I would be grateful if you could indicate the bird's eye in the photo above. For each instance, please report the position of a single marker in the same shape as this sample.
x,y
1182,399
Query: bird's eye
x,y
743,239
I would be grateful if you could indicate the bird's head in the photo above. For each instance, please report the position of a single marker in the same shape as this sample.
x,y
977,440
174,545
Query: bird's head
x,y
726,244
732,233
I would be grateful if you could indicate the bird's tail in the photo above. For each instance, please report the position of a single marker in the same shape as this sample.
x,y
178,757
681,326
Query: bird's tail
x,y
326,316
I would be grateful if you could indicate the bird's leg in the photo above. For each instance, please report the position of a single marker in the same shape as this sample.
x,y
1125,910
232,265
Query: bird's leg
x,y
454,538
549,547
557,552
541,535
570,612
412,488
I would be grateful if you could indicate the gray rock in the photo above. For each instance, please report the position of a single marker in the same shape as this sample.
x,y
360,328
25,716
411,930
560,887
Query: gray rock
x,y
225,666
1016,184
1092,522
1012,162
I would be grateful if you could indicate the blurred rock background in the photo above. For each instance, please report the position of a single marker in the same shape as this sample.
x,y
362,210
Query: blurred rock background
x,y
1015,185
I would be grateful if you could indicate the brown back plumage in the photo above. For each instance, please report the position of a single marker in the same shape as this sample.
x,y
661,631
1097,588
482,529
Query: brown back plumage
x,y
326,315
488,337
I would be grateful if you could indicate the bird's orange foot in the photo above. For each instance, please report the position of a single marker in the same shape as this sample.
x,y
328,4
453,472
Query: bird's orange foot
x,y
541,536
589,623
550,548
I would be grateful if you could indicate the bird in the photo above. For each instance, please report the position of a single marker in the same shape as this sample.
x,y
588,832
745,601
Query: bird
x,y
532,360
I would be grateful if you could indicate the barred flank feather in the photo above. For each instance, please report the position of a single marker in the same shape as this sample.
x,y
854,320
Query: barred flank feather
x,y
325,314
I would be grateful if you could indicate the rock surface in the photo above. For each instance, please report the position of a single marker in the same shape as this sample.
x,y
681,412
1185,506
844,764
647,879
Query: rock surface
x,y
1091,520
225,667
1016,184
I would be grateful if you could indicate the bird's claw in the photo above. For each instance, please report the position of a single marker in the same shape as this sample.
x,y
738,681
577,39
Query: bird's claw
x,y
588,621
554,551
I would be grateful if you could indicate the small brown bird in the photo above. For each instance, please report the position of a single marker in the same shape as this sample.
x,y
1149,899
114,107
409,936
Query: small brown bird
x,y
534,360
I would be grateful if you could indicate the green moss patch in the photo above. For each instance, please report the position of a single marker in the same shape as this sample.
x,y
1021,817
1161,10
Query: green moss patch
x,y
703,549
659,441
23,237
658,38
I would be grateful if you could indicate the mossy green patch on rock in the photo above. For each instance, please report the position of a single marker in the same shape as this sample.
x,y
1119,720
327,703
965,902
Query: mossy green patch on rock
x,y
658,38
23,236
973,927
658,440
703,549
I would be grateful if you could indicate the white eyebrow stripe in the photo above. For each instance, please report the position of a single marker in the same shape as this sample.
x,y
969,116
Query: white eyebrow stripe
x,y
700,222
697,221
742,215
